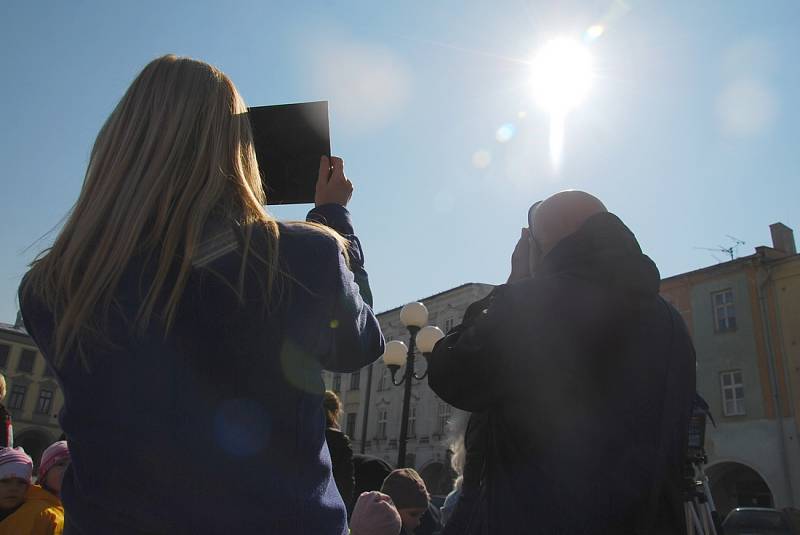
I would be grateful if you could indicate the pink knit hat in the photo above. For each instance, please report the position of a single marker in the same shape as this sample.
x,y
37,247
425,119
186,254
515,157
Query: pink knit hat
x,y
54,453
14,462
375,514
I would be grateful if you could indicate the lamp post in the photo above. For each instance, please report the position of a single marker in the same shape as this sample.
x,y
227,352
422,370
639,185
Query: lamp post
x,y
413,316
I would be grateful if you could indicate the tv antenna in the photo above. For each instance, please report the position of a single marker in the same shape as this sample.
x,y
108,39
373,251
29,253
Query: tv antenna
x,y
732,251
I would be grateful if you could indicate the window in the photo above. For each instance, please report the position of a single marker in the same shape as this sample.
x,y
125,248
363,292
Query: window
x,y
732,393
444,416
724,311
412,421
449,323
355,380
383,384
337,382
383,416
17,398
350,424
4,351
45,402
26,361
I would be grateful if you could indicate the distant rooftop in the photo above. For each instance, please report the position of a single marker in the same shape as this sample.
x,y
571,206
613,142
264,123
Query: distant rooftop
x,y
465,285
12,329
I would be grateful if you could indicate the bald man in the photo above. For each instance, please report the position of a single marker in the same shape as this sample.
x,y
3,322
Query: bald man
x,y
587,377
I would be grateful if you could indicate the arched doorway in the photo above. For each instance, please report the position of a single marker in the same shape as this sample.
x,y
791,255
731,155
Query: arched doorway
x,y
737,485
34,442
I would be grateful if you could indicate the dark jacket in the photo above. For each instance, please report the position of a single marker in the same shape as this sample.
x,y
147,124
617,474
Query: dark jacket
x,y
6,429
465,512
217,427
588,377
342,461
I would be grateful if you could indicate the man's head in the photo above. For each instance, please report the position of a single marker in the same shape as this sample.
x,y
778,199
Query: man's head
x,y
562,214
409,494
15,476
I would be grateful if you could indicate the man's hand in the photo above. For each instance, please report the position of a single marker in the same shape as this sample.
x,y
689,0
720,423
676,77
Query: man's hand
x,y
520,258
332,185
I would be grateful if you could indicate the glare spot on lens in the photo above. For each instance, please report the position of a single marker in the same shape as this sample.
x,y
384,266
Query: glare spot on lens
x,y
481,159
505,133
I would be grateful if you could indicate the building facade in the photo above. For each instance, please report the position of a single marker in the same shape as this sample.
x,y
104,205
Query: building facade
x,y
372,405
744,316
33,396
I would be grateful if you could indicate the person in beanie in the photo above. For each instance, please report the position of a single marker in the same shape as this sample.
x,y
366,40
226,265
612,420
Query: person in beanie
x,y
25,508
55,460
375,514
409,494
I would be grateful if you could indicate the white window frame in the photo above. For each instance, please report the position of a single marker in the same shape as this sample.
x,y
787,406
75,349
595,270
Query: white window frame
x,y
725,311
412,421
355,380
383,382
351,420
732,393
383,418
445,411
336,383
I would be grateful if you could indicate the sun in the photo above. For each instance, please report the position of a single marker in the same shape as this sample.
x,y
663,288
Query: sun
x,y
561,75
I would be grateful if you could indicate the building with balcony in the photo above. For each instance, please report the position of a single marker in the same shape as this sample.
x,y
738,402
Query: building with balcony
x,y
33,395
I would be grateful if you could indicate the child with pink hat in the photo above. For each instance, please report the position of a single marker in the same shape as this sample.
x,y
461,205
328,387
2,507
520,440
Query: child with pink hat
x,y
55,460
24,507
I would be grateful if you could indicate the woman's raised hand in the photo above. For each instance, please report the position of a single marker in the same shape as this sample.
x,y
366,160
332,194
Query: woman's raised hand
x,y
332,185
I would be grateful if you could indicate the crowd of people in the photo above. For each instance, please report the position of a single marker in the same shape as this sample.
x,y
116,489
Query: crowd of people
x,y
203,324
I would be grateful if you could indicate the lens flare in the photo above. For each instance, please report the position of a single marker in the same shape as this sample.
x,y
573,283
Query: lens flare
x,y
505,133
481,159
594,32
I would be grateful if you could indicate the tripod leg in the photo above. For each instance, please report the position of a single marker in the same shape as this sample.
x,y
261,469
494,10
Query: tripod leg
x,y
696,519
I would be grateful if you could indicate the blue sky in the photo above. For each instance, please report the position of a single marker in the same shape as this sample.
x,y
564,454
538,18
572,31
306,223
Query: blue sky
x,y
688,132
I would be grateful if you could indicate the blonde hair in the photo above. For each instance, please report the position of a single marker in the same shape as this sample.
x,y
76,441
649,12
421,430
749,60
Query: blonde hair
x,y
2,387
175,150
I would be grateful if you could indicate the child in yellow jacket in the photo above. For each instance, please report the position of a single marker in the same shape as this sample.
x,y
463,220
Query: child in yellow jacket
x,y
25,508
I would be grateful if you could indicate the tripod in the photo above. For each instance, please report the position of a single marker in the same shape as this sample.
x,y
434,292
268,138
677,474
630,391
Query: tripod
x,y
698,505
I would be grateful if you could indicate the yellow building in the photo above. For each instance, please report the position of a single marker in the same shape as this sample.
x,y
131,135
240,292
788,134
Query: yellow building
x,y
33,396
782,282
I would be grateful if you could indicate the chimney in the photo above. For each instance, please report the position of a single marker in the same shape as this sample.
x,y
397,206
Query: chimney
x,y
782,238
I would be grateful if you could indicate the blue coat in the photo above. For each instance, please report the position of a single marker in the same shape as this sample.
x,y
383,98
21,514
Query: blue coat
x,y
217,427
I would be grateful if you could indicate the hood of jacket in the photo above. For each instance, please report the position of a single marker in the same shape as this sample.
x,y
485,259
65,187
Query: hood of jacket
x,y
604,250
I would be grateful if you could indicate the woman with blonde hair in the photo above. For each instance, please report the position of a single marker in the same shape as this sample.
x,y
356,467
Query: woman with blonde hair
x,y
340,449
189,328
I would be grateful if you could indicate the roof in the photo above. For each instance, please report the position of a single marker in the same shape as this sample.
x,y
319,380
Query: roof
x,y
763,253
462,286
12,329
11,333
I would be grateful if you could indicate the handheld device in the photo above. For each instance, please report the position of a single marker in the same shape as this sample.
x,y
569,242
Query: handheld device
x,y
289,140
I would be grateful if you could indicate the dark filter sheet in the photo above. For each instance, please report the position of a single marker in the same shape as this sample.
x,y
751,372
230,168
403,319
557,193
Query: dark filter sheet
x,y
289,140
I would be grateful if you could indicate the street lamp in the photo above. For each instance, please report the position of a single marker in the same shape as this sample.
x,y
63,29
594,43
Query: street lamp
x,y
413,316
